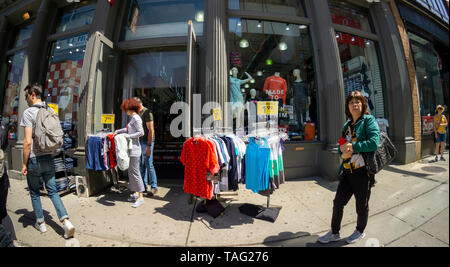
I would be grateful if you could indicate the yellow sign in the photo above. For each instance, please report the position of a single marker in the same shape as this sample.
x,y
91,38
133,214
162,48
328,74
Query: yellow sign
x,y
108,118
267,108
54,107
216,114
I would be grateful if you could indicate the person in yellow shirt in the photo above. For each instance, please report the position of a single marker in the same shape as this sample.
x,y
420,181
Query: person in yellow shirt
x,y
440,123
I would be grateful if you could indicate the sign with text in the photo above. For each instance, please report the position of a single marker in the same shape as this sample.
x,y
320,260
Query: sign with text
x,y
427,124
108,118
216,114
267,108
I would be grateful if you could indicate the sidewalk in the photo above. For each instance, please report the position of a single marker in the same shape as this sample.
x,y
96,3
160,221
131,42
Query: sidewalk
x,y
412,193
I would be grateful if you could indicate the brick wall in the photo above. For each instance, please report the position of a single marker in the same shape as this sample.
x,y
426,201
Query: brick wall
x,y
411,73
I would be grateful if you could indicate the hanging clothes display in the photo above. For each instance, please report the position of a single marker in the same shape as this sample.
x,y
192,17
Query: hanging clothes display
x,y
200,160
101,152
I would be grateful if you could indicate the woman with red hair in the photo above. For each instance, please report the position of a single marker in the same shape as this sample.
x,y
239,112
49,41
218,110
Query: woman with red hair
x,y
134,131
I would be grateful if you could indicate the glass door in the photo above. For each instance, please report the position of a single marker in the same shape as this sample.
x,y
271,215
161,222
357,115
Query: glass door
x,y
105,78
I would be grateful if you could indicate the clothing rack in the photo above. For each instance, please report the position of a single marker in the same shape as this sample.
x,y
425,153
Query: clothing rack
x,y
261,130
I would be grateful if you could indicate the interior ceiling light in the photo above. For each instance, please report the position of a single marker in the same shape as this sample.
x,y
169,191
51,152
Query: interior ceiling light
x,y
259,24
259,73
282,46
200,16
302,27
287,27
243,43
353,39
26,15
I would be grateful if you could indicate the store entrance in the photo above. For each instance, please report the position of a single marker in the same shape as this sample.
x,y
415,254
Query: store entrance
x,y
158,78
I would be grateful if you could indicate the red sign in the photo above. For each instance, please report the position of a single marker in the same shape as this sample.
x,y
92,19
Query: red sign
x,y
111,2
346,21
427,124
345,38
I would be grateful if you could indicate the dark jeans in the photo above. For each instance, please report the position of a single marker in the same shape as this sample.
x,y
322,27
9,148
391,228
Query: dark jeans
x,y
357,183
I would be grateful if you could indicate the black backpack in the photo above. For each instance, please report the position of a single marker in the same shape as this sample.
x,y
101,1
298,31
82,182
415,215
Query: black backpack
x,y
383,156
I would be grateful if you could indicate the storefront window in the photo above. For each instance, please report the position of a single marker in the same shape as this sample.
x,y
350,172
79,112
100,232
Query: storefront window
x,y
13,85
63,77
361,70
23,37
158,78
348,15
284,7
428,72
155,18
279,59
76,15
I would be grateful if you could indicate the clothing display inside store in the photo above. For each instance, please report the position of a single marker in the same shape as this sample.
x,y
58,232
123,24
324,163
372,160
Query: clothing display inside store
x,y
65,162
275,87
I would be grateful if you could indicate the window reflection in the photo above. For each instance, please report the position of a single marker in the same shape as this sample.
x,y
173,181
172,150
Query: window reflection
x,y
279,62
154,18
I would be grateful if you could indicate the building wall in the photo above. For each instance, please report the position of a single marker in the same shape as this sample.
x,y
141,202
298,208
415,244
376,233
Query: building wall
x,y
301,159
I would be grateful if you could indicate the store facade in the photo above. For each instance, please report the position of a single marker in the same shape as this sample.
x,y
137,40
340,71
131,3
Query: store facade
x,y
426,24
305,55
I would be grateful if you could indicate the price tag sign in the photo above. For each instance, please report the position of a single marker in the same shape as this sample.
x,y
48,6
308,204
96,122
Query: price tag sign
x,y
54,107
108,118
267,108
216,114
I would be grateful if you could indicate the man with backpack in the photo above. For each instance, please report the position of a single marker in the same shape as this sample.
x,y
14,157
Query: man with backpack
x,y
43,136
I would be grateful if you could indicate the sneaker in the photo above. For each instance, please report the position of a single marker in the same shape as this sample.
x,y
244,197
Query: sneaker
x,y
436,159
355,237
40,227
138,203
69,230
148,188
132,198
329,237
442,158
153,191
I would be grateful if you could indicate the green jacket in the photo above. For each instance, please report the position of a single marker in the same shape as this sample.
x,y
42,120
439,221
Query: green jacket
x,y
367,135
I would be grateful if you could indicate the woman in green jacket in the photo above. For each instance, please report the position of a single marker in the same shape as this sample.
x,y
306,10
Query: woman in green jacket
x,y
360,134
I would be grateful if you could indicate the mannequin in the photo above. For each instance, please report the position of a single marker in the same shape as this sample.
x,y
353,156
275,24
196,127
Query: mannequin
x,y
301,99
235,86
236,97
276,88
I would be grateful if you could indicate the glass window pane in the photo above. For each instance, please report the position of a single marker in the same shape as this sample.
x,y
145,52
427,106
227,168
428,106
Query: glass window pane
x,y
158,78
428,72
155,18
279,59
64,76
351,16
291,8
361,70
23,36
75,16
12,87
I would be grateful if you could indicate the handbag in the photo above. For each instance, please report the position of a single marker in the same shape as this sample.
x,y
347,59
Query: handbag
x,y
375,161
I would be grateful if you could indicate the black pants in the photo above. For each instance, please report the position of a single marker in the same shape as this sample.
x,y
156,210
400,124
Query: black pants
x,y
357,183
5,220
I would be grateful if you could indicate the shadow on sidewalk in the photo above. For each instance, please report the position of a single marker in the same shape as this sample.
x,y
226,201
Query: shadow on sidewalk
x,y
231,216
425,176
325,183
299,239
28,219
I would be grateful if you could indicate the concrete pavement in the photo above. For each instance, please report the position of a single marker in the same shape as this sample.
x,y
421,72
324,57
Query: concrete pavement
x,y
408,207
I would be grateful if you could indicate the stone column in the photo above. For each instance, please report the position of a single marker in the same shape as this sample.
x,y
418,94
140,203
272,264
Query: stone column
x,y
401,86
331,95
216,54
